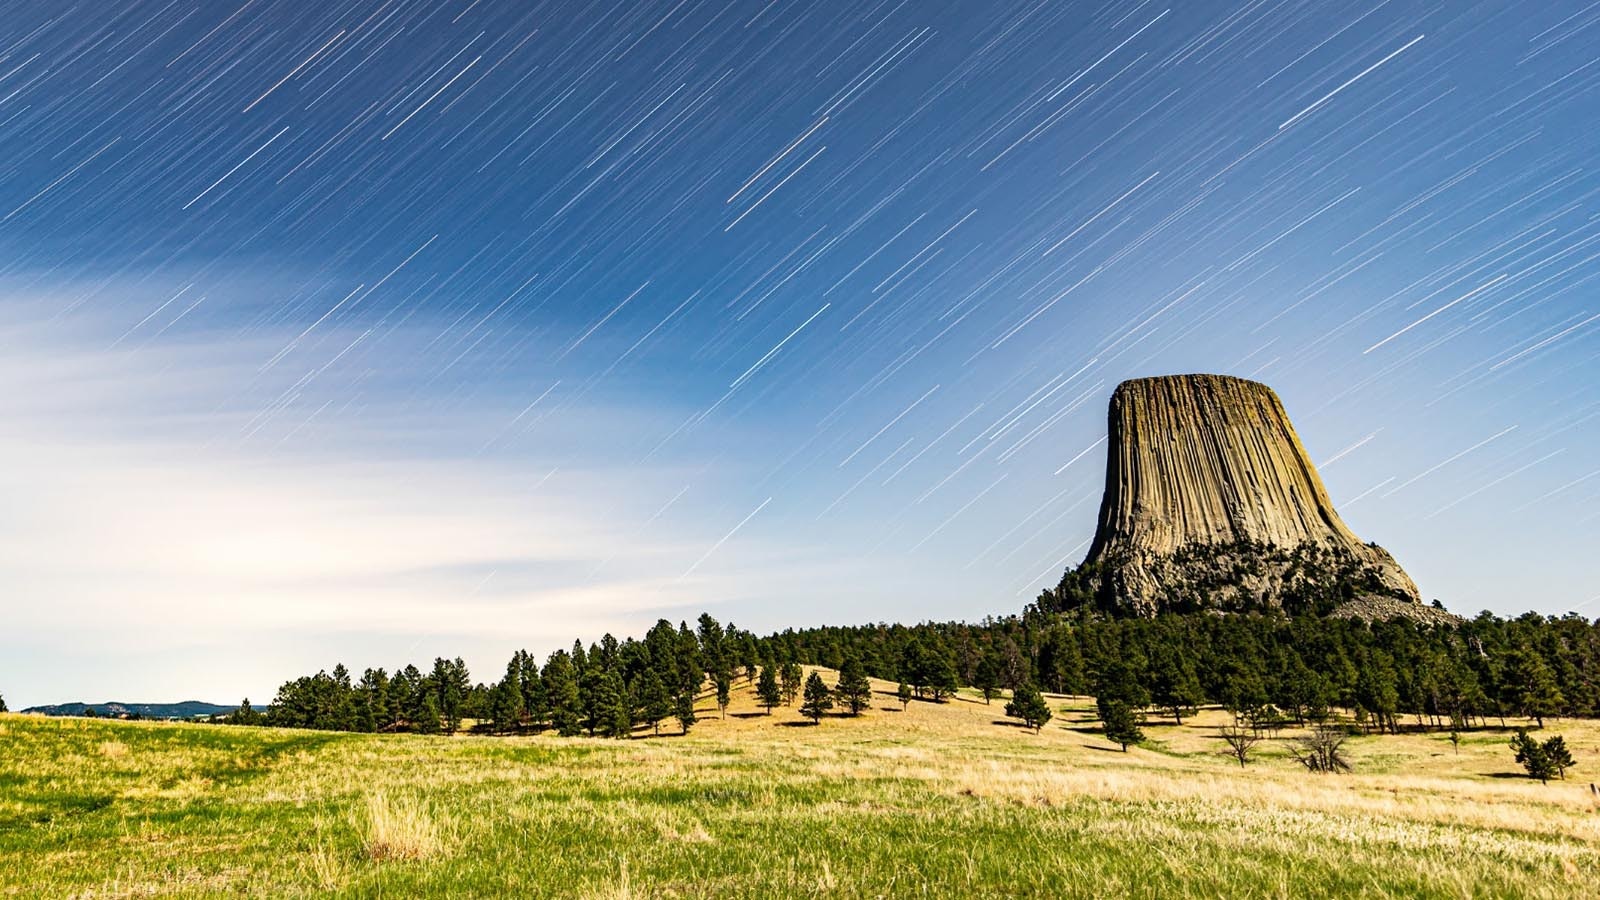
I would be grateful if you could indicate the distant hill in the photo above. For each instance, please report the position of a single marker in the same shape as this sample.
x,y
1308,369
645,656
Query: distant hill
x,y
187,709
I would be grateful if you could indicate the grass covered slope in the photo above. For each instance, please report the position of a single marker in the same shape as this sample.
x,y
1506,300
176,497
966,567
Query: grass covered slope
x,y
936,800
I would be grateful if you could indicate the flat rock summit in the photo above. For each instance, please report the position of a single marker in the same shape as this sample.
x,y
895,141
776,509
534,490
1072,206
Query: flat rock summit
x,y
1212,503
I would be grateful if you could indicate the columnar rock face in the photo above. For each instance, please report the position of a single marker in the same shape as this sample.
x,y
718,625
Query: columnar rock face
x,y
1211,502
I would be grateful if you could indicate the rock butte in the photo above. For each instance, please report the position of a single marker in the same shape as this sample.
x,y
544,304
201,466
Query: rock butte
x,y
1210,493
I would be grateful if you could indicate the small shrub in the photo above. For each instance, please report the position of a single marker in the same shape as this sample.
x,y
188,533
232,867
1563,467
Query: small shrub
x,y
1542,760
1241,742
1322,751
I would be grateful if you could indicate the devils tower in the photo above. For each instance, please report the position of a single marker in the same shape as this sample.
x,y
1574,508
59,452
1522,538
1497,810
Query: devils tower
x,y
1212,503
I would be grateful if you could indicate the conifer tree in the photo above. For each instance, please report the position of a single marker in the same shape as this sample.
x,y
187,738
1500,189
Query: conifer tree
x,y
986,677
1121,724
1532,755
940,676
244,715
1174,686
818,699
1555,750
683,709
655,701
724,685
615,707
430,721
903,693
791,676
1029,705
1533,686
854,690
561,689
767,689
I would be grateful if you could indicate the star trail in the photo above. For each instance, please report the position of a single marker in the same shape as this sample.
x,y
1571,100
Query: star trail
x,y
408,319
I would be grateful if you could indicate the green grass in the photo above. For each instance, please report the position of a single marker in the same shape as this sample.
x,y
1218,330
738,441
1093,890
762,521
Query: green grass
x,y
935,801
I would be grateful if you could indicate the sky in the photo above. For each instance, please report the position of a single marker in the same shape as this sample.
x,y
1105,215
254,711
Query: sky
x,y
377,331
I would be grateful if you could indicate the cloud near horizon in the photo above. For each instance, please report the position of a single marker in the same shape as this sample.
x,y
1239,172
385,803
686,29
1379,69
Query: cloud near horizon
x,y
148,510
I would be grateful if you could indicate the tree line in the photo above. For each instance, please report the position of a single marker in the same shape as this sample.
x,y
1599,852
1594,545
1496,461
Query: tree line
x,y
1266,668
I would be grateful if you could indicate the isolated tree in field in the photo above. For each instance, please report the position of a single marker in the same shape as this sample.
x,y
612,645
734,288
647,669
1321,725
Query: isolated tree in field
x,y
1542,760
903,692
1322,751
818,699
1029,705
655,702
683,710
3,704
1121,724
854,690
767,689
986,677
792,677
1241,741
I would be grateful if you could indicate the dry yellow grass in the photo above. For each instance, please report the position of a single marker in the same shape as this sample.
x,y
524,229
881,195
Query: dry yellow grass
x,y
936,800
398,828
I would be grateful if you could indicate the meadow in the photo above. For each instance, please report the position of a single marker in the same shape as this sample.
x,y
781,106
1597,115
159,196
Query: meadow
x,y
943,799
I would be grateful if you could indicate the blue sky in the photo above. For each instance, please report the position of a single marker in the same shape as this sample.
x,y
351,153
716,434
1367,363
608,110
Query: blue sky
x,y
373,331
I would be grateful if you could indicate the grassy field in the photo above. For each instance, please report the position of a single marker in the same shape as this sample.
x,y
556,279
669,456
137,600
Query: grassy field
x,y
938,800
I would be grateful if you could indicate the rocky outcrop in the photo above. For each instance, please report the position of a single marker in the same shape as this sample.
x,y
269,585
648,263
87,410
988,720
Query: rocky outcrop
x,y
1212,502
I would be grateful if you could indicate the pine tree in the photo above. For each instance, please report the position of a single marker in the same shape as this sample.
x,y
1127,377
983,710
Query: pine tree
x,y
244,715
683,709
615,707
451,685
1555,750
3,704
940,676
854,690
429,722
903,692
1534,686
791,676
724,684
818,699
1173,685
1029,705
561,690
986,677
1121,724
1532,755
655,701
767,689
